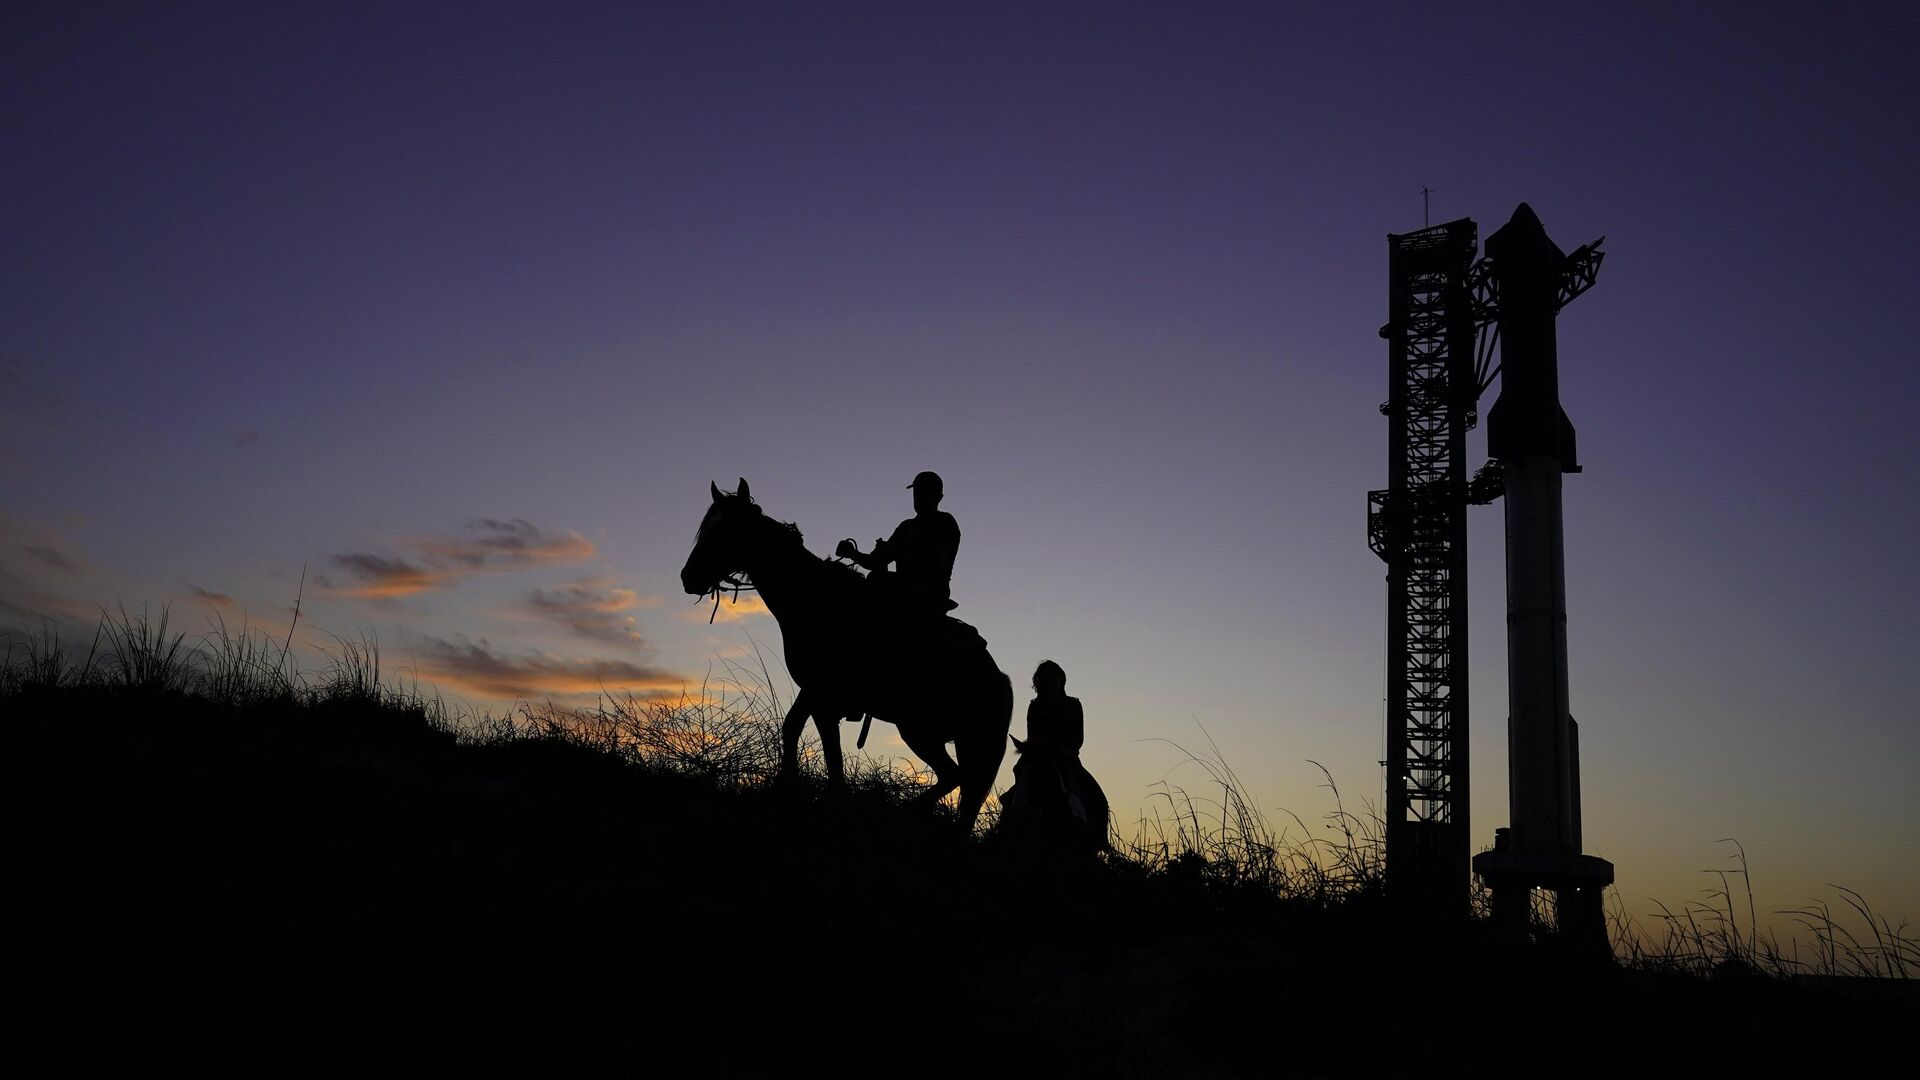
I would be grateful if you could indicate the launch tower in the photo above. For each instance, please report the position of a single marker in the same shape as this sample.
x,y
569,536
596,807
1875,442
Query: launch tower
x,y
1418,525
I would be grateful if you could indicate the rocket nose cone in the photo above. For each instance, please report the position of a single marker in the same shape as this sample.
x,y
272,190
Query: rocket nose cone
x,y
1523,241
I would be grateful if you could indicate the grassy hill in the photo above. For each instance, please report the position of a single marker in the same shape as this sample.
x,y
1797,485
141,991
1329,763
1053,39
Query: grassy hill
x,y
218,860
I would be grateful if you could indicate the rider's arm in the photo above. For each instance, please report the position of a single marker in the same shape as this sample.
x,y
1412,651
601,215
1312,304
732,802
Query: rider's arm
x,y
877,559
888,550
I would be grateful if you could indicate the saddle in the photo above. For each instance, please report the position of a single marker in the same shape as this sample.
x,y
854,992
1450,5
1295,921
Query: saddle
x,y
918,634
922,618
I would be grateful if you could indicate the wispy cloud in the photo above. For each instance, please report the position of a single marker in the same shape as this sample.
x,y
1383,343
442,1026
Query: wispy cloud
x,y
477,668
54,557
514,544
591,611
208,596
25,605
382,577
493,546
43,548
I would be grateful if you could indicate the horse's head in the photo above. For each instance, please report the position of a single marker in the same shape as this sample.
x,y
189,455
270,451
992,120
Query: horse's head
x,y
720,549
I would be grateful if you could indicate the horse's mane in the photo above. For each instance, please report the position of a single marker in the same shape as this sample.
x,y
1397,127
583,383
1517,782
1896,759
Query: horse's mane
x,y
799,539
792,531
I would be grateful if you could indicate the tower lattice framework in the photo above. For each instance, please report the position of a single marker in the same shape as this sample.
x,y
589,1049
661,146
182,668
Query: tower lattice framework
x,y
1418,525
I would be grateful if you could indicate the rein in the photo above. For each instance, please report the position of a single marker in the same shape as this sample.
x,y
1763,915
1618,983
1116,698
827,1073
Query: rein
x,y
736,584
730,583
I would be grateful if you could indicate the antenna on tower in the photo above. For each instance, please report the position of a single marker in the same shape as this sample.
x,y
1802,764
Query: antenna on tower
x,y
1426,207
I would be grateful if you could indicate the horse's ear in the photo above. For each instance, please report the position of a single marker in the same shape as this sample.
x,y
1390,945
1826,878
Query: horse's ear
x,y
716,490
743,492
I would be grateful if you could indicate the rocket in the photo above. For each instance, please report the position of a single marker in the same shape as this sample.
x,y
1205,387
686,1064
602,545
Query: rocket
x,y
1531,439
1529,434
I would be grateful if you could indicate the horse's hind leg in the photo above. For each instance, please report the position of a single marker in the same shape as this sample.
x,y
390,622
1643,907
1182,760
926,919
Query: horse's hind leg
x,y
982,748
934,752
980,766
796,722
828,724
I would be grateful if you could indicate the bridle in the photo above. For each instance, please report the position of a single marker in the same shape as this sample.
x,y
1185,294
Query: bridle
x,y
736,583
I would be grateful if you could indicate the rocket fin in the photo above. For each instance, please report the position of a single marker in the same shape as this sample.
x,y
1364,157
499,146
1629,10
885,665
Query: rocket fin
x,y
1569,452
1497,421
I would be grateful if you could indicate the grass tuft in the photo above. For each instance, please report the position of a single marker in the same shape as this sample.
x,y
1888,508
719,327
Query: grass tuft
x,y
1220,835
144,655
1706,938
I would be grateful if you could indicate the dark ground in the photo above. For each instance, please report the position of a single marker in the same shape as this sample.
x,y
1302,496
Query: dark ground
x,y
341,882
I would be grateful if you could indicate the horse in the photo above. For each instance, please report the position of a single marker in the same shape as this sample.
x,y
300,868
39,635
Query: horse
x,y
851,654
1055,804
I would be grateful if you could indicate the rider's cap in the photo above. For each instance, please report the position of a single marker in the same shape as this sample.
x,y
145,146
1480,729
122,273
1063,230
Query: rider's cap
x,y
929,480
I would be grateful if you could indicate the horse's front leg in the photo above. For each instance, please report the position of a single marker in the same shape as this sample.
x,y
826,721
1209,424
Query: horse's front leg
x,y
795,723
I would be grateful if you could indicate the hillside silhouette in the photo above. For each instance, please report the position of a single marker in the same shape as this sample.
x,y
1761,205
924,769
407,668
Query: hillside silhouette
x,y
218,858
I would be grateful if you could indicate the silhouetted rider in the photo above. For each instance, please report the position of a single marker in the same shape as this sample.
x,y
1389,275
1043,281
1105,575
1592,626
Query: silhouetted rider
x,y
922,549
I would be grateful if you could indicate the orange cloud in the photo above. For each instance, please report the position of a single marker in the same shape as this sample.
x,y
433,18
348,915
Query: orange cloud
x,y
592,612
476,668
382,577
514,544
495,547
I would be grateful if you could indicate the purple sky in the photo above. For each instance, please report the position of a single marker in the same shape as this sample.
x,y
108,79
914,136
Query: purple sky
x,y
475,303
